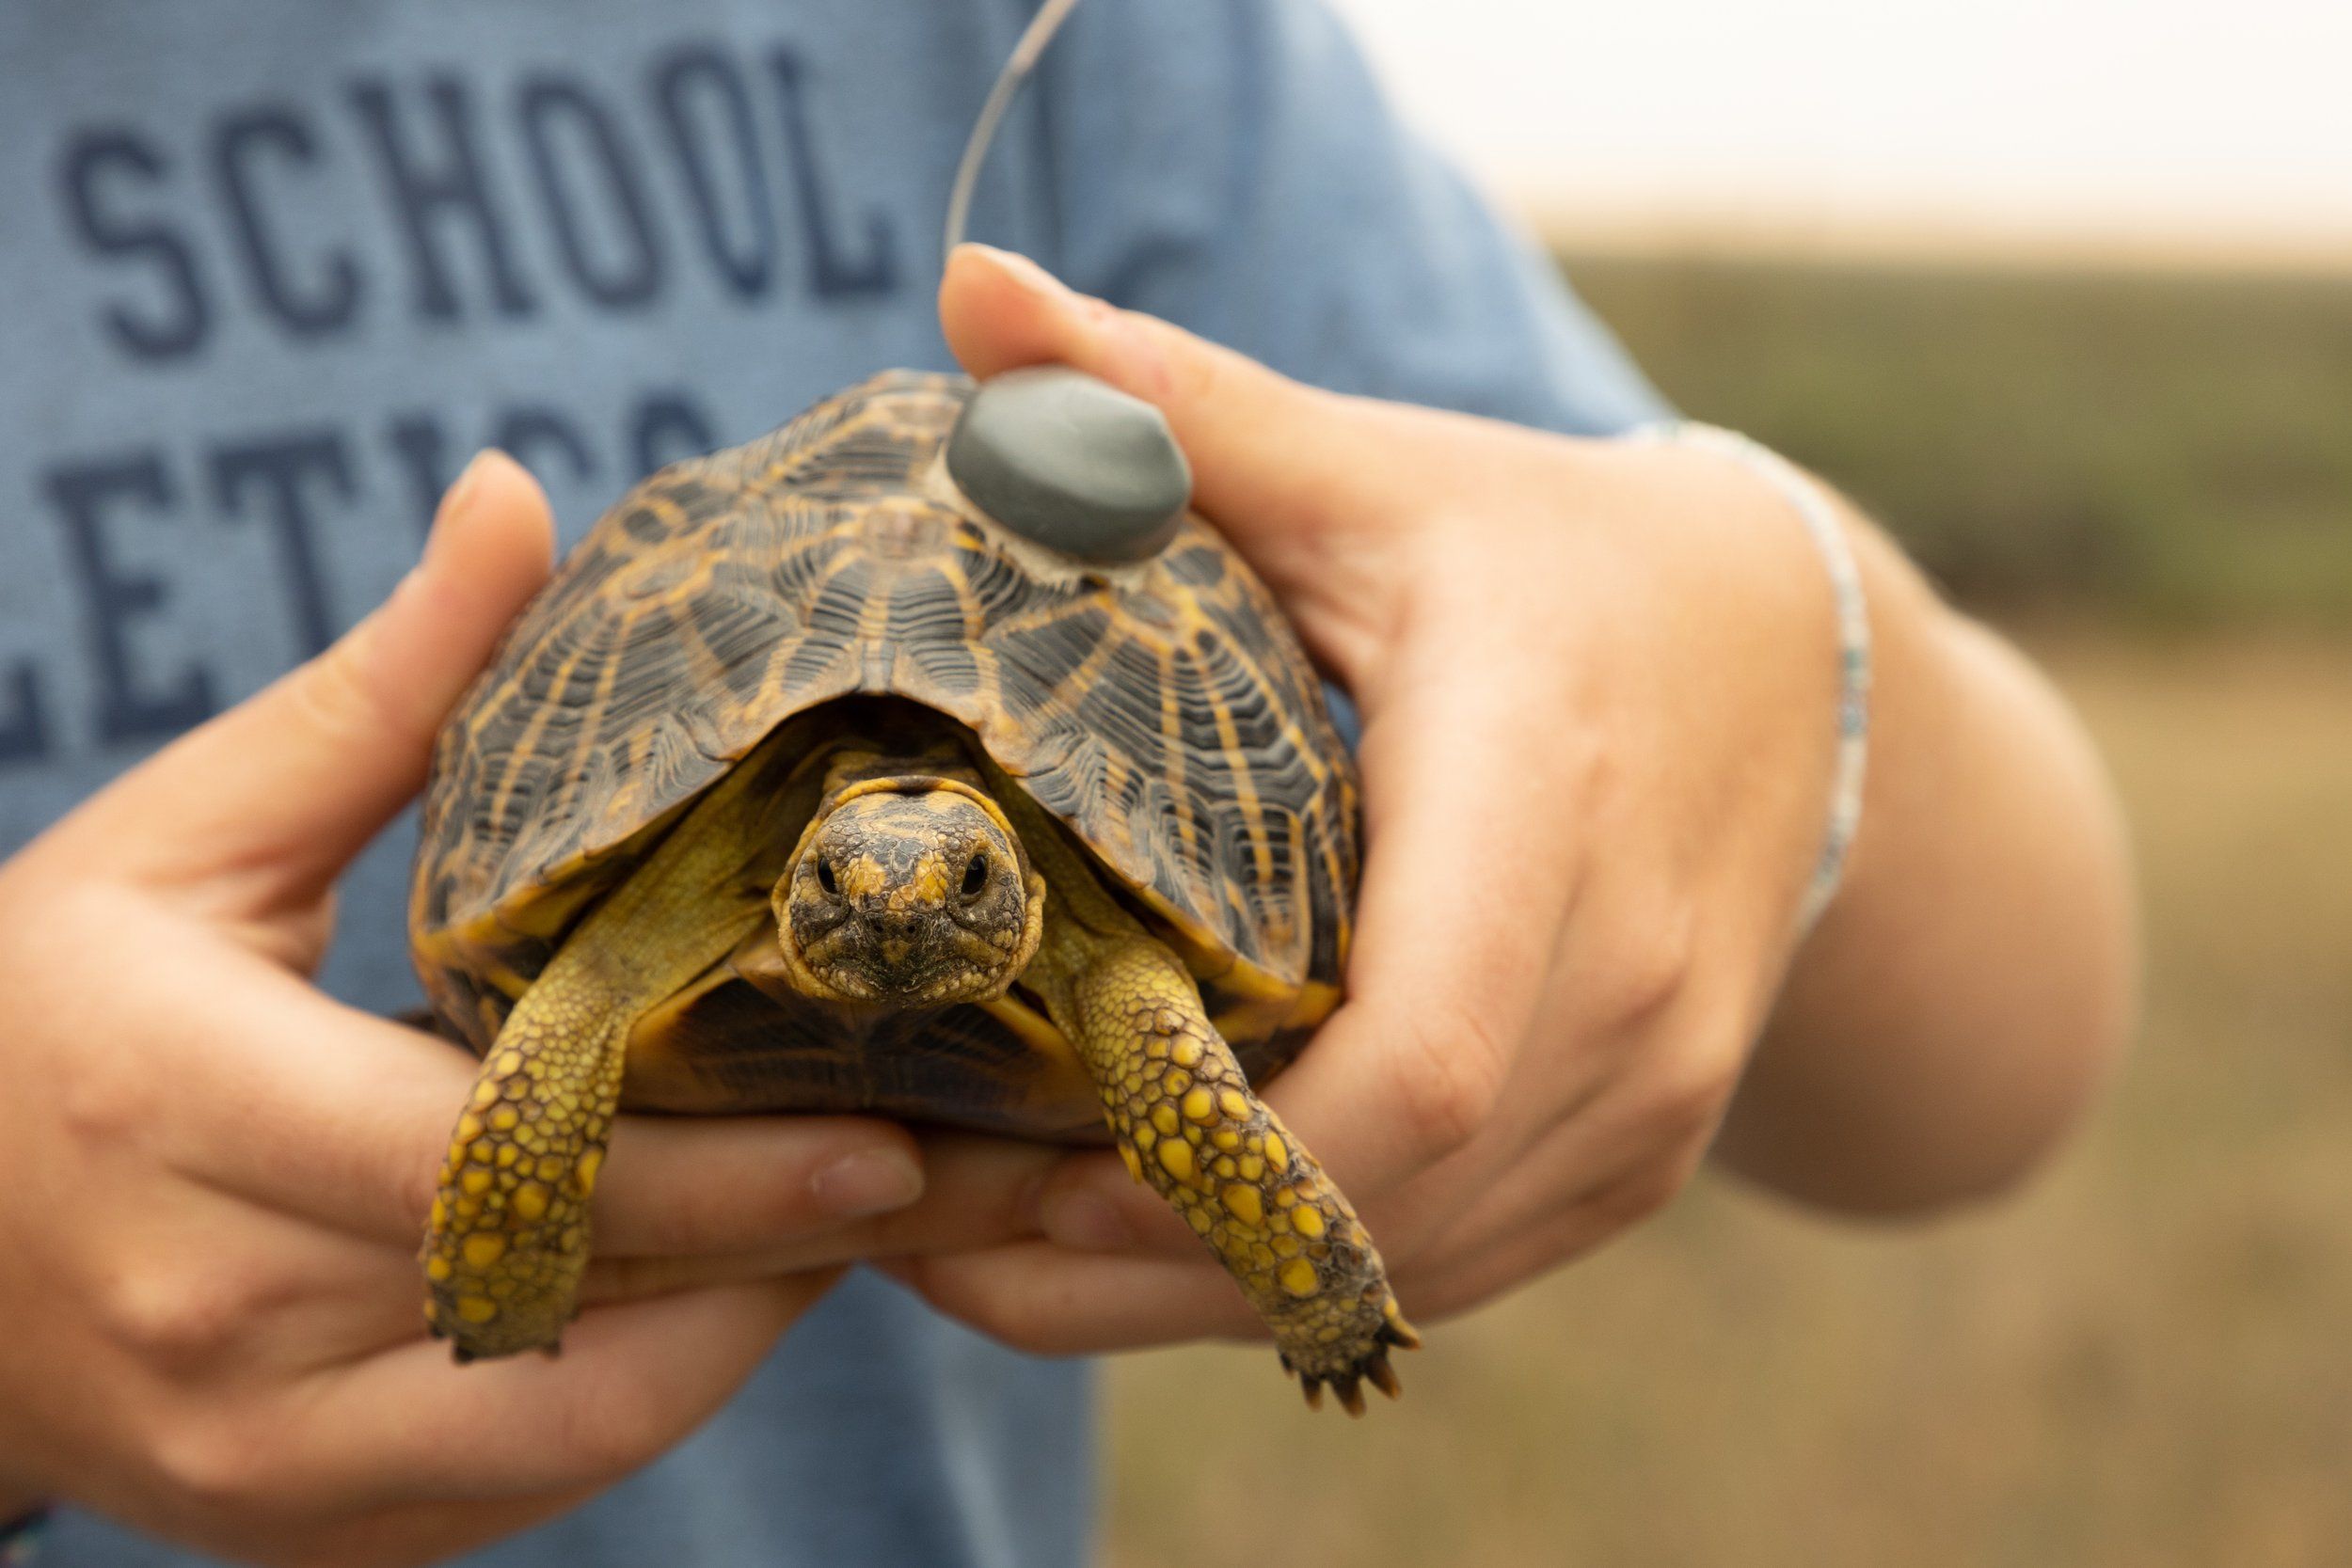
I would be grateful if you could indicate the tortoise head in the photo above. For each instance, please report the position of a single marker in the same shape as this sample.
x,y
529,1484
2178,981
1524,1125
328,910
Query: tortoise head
x,y
908,891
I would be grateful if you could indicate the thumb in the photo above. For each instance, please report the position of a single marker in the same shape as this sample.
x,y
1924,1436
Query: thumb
x,y
294,781
1278,464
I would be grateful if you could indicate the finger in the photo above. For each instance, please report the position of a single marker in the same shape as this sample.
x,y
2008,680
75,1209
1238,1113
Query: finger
x,y
226,1292
213,1285
297,780
978,1191
1619,1155
724,1185
1090,1203
632,1381
1047,1301
342,1118
1262,446
1557,1206
1506,1242
1301,480
208,1281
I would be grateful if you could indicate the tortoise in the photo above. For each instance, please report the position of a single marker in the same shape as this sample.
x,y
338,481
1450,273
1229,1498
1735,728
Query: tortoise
x,y
807,784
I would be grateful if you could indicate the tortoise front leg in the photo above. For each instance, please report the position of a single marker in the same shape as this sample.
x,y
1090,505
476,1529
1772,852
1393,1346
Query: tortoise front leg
x,y
508,1239
1189,1124
509,1235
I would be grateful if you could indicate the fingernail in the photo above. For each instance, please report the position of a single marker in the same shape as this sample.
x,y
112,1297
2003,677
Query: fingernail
x,y
452,501
871,1181
436,537
1026,275
455,497
1087,1221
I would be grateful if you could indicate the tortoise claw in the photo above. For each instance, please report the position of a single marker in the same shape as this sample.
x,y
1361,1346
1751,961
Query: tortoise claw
x,y
1347,1382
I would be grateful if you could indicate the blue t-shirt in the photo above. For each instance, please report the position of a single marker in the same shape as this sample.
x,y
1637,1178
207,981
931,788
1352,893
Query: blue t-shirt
x,y
274,269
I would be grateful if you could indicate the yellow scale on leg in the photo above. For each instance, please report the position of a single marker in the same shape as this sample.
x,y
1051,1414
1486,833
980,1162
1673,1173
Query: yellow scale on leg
x,y
1189,1127
509,1237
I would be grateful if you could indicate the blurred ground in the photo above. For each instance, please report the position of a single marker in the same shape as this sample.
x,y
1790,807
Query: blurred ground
x,y
2143,1362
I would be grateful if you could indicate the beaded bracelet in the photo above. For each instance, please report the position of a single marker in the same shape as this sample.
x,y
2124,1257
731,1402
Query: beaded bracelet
x,y
1811,503
20,1540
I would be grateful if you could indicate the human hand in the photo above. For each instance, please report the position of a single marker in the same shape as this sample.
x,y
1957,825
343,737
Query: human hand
x,y
1599,683
212,1178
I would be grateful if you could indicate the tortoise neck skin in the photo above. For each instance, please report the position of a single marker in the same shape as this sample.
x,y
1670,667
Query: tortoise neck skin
x,y
909,887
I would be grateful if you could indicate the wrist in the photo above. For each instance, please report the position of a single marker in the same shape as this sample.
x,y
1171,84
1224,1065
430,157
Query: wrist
x,y
1828,527
1750,629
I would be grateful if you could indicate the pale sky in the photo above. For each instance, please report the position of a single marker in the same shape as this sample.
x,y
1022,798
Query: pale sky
x,y
2222,125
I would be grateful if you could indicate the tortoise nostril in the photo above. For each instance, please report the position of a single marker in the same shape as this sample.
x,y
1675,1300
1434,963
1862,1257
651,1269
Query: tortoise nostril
x,y
826,879
974,877
896,929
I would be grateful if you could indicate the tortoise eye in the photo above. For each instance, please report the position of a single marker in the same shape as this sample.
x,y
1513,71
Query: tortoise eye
x,y
825,878
976,877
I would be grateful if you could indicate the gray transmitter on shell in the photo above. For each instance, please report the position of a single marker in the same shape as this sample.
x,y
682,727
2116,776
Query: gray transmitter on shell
x,y
1070,462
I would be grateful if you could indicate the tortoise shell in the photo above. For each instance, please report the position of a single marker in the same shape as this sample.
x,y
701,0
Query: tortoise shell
x,y
1163,713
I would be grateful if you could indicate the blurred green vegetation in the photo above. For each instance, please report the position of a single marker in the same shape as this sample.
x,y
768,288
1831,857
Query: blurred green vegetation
x,y
2142,1361
2167,449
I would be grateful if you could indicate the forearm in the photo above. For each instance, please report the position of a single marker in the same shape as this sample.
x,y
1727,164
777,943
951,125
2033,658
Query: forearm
x,y
1959,1002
